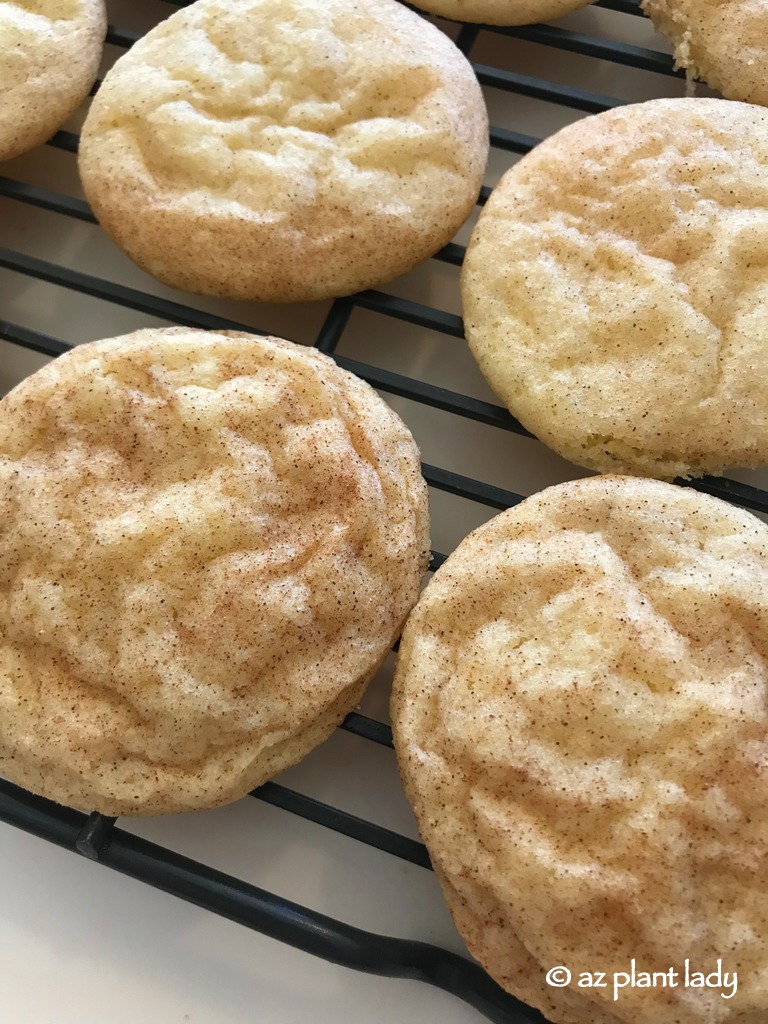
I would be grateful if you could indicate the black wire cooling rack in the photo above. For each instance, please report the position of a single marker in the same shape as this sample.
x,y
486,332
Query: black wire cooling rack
x,y
99,838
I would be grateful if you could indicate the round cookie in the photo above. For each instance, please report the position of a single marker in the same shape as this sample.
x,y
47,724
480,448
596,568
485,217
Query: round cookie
x,y
580,712
285,150
614,289
724,44
209,543
49,55
502,12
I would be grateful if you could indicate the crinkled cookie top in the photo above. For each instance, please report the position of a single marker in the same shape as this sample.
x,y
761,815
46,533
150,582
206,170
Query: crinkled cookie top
x,y
615,288
205,540
50,53
581,718
334,142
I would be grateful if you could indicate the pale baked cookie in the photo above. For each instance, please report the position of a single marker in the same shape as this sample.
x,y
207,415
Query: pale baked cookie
x,y
502,12
723,43
49,55
209,543
285,149
580,713
615,291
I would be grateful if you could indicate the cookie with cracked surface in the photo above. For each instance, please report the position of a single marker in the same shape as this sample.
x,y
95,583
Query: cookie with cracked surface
x,y
209,543
502,12
725,44
49,55
614,289
286,150
580,713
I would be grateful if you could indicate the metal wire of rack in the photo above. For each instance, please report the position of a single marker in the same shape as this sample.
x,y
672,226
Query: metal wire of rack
x,y
99,838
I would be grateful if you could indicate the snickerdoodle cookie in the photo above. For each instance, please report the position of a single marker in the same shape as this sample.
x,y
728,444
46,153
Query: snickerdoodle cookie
x,y
285,149
580,713
209,543
502,12
615,289
723,43
49,55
